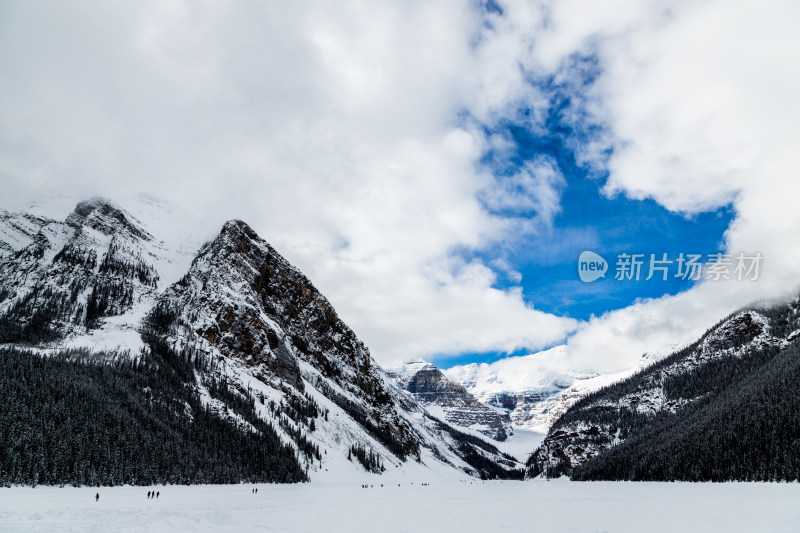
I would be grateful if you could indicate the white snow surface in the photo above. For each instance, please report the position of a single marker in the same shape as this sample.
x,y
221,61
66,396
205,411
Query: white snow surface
x,y
521,443
554,506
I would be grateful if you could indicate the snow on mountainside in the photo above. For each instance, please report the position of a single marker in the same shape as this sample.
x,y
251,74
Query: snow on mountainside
x,y
536,389
93,275
18,230
688,383
73,274
450,401
255,327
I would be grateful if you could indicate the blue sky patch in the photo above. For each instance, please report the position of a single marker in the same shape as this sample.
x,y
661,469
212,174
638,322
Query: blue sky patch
x,y
547,258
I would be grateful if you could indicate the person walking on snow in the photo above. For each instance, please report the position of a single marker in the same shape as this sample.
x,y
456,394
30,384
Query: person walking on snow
x,y
97,497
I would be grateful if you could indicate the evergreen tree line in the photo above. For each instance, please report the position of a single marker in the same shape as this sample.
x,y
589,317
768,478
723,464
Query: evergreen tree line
x,y
77,256
306,446
301,409
108,419
119,268
108,298
161,318
368,458
42,314
34,318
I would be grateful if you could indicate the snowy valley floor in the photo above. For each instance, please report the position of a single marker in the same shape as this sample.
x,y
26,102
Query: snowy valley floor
x,y
444,506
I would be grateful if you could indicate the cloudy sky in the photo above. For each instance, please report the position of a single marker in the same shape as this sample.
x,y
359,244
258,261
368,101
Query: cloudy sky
x,y
436,168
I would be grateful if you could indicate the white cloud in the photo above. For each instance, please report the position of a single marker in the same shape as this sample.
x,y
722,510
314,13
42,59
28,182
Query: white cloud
x,y
533,191
701,103
333,129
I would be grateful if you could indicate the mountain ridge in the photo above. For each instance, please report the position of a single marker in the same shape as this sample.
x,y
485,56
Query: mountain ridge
x,y
671,404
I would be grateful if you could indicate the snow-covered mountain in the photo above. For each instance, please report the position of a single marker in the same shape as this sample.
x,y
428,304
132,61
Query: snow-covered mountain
x,y
725,407
450,401
64,278
258,332
536,389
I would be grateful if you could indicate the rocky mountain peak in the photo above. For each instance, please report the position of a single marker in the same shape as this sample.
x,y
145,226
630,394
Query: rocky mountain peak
x,y
429,384
107,218
246,301
432,388
239,227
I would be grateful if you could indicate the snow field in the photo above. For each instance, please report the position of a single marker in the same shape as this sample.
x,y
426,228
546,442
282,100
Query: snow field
x,y
555,506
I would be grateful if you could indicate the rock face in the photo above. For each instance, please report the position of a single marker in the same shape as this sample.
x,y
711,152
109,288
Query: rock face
x,y
430,386
248,333
706,377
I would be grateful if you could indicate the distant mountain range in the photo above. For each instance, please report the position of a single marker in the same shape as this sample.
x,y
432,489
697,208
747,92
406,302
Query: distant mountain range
x,y
128,357
535,389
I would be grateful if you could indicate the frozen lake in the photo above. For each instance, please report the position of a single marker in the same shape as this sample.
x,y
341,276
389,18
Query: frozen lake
x,y
444,506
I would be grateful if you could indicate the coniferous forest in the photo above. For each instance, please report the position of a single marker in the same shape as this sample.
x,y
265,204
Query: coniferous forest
x,y
110,419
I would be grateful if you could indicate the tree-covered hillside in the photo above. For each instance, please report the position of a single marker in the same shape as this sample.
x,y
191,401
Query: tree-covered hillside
x,y
112,419
727,407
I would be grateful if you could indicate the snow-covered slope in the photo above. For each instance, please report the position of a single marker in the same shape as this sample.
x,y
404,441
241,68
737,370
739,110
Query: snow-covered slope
x,y
447,400
244,302
256,327
87,280
18,230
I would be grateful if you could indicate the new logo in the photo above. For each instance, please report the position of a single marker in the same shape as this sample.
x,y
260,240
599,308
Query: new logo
x,y
591,266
